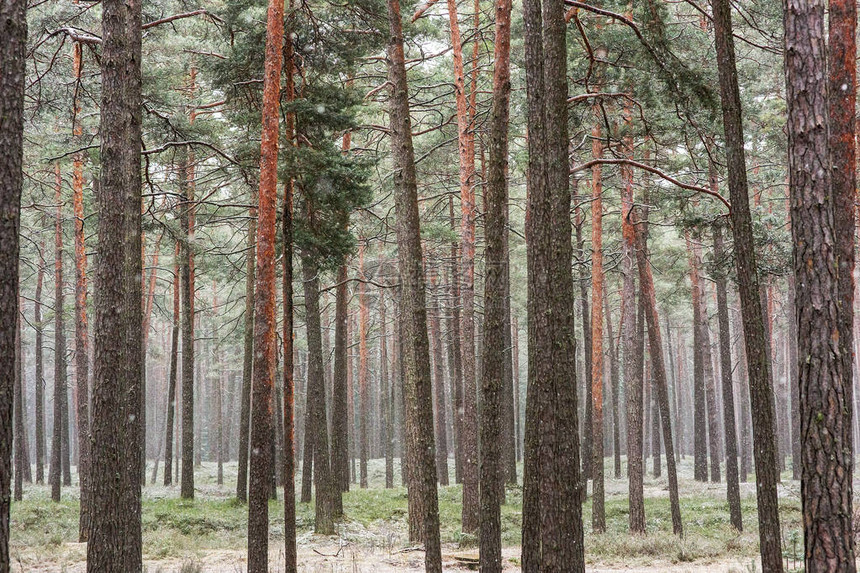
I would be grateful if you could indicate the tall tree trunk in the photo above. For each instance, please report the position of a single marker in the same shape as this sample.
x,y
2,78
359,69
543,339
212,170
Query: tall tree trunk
x,y
248,352
59,446
265,349
587,343
13,30
509,423
794,387
22,462
732,487
658,370
173,377
655,424
761,393
468,179
416,352
552,485
745,418
842,81
615,387
40,375
707,360
82,346
700,419
441,417
632,369
115,543
289,469
340,397
598,513
350,391
822,249
455,358
135,422
323,483
387,394
363,395
186,206
496,307
515,367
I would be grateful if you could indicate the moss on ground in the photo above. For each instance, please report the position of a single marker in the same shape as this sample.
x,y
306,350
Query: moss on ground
x,y
215,520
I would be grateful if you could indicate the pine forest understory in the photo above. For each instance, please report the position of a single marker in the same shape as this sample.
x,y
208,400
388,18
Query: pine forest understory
x,y
319,286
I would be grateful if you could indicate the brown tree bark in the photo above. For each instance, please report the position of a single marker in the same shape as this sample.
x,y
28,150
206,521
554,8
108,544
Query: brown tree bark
x,y
598,512
656,464
22,457
509,421
82,346
515,367
289,469
323,484
468,179
761,393
363,391
248,352
732,487
40,375
265,349
744,419
632,369
552,485
134,367
455,364
17,451
794,387
21,414
13,30
186,206
340,397
115,543
714,438
441,417
658,370
22,461
496,308
172,378
675,386
387,394
615,388
842,81
816,151
307,446
417,384
700,419
587,425
59,443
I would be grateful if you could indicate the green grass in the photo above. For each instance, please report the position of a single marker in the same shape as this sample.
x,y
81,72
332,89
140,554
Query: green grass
x,y
184,529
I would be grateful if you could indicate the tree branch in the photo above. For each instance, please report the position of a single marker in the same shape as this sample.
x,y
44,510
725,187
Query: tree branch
x,y
420,11
655,171
168,19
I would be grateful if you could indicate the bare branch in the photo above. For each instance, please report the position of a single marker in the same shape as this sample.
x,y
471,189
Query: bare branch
x,y
655,171
200,12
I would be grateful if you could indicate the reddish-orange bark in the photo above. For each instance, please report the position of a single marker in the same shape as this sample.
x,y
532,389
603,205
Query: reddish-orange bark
x,y
466,151
264,303
82,346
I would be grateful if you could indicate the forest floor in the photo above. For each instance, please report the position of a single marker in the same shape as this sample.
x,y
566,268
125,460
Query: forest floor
x,y
208,534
